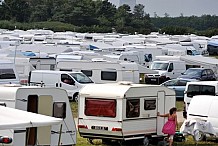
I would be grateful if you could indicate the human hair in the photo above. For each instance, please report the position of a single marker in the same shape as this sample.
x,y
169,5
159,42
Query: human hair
x,y
174,109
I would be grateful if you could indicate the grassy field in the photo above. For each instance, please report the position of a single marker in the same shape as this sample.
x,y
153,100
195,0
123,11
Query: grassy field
x,y
179,104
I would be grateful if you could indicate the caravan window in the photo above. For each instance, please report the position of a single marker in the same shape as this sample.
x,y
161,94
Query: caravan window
x,y
150,104
109,75
7,74
59,110
88,73
100,107
200,90
132,108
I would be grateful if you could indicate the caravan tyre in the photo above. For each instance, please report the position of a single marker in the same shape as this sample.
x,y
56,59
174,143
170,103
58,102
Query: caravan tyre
x,y
76,97
90,141
199,136
162,143
146,141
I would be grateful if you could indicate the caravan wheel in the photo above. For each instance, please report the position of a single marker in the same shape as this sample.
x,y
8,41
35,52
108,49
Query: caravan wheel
x,y
76,97
146,141
199,136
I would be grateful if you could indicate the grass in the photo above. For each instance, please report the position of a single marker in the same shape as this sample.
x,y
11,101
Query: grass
x,y
179,105
74,108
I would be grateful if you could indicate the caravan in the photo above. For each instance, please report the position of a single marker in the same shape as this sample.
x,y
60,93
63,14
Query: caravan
x,y
103,71
46,101
123,111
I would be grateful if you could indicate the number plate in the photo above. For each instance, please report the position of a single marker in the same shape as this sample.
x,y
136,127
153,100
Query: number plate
x,y
99,128
153,79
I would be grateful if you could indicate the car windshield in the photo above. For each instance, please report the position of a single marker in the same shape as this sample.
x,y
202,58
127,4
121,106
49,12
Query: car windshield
x,y
159,66
195,52
81,78
193,72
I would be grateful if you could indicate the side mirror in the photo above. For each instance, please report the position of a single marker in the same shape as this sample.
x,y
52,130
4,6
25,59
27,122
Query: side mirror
x,y
203,75
170,70
72,82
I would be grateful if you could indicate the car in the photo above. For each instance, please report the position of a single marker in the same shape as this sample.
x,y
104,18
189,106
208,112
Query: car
x,y
201,74
178,85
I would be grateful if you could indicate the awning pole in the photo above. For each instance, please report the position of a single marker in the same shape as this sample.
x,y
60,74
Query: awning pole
x,y
59,140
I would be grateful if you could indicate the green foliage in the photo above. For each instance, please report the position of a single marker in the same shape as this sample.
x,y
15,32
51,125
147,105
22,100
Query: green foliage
x,y
205,25
76,15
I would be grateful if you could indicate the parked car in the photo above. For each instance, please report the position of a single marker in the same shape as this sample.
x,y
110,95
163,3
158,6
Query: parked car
x,y
201,74
178,85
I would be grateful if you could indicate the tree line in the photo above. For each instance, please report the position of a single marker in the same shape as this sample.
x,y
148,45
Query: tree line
x,y
97,16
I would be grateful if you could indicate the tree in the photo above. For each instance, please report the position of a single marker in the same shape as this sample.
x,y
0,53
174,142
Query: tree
x,y
166,15
138,11
18,10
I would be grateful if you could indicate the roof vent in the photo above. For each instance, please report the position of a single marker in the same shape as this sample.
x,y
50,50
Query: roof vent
x,y
125,83
11,85
99,60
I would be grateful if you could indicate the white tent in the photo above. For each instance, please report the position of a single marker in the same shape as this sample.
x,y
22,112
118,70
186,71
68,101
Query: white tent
x,y
13,118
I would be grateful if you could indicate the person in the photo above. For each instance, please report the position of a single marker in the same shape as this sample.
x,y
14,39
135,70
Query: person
x,y
171,125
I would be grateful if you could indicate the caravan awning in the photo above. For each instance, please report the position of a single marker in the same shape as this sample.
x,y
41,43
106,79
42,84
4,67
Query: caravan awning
x,y
13,119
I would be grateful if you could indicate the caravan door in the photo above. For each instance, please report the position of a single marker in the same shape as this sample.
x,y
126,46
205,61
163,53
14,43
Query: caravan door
x,y
41,105
161,110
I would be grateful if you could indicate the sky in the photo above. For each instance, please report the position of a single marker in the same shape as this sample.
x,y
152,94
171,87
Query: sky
x,y
175,7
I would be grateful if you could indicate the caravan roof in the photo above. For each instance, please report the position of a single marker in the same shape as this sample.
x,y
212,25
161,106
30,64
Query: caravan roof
x,y
200,59
122,90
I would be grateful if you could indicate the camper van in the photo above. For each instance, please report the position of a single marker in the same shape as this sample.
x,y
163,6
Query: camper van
x,y
167,70
198,88
103,71
123,111
46,101
8,73
72,82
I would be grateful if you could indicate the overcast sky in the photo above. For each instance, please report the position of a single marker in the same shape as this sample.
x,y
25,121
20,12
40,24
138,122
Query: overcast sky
x,y
175,7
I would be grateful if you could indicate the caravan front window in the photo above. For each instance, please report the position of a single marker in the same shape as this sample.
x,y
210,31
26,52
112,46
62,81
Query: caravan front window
x,y
88,73
100,107
150,104
59,110
200,90
132,108
7,74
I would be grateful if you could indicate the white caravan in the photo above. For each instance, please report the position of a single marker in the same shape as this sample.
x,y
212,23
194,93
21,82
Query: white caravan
x,y
123,111
167,70
72,82
102,71
198,88
46,101
8,73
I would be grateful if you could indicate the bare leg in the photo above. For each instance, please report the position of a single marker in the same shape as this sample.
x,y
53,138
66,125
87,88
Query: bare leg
x,y
170,142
